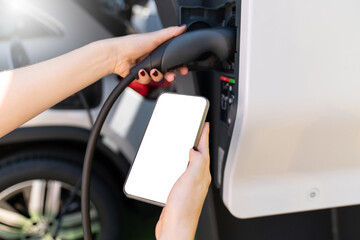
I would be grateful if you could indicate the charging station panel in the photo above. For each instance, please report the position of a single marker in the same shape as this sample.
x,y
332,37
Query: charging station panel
x,y
295,143
219,84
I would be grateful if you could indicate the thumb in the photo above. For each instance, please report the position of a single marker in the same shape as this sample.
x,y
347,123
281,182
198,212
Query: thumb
x,y
203,145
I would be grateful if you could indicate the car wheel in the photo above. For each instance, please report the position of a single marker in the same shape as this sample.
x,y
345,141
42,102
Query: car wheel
x,y
35,185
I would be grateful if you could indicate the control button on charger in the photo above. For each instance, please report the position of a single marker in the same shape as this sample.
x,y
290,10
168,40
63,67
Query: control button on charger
x,y
224,100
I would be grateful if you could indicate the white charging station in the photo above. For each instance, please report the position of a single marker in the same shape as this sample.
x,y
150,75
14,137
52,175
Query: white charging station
x,y
296,142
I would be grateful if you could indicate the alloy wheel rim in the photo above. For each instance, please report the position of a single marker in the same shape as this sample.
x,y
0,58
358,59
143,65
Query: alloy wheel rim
x,y
30,210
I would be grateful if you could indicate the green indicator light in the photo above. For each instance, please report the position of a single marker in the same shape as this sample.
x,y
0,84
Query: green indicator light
x,y
231,80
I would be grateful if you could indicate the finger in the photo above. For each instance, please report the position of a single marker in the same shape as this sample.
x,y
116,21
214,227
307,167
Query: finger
x,y
144,77
203,145
156,75
183,70
148,42
170,76
165,34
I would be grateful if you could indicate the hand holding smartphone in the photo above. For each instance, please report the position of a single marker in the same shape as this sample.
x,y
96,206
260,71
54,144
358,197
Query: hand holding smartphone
x,y
163,155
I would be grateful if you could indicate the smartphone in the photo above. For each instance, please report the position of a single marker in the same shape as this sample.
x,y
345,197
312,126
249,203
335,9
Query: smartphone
x,y
174,128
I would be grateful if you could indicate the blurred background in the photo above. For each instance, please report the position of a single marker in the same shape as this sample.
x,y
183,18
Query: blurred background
x,y
40,163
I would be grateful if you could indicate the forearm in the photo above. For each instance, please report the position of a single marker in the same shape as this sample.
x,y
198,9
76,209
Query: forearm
x,y
28,91
181,214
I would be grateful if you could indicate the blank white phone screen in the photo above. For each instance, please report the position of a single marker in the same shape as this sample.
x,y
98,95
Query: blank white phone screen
x,y
163,154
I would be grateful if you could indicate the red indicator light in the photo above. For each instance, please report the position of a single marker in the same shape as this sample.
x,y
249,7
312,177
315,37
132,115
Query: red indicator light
x,y
225,79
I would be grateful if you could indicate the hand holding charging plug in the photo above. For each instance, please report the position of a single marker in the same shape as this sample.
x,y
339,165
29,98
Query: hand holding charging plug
x,y
136,47
188,48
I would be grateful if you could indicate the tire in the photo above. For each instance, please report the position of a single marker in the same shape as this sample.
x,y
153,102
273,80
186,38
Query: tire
x,y
34,185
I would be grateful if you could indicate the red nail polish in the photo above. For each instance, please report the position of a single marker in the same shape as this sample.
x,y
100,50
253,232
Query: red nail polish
x,y
155,73
142,73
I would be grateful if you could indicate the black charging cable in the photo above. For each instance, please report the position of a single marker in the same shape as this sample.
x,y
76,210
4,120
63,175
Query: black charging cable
x,y
90,150
66,206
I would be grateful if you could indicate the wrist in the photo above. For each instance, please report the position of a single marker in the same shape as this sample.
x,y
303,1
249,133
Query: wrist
x,y
177,233
183,228
106,56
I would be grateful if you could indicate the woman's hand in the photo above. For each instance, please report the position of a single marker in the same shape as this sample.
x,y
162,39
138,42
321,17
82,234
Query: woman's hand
x,y
134,48
180,216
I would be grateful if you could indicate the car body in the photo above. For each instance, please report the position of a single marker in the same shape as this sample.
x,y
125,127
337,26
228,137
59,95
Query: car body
x,y
37,30
69,30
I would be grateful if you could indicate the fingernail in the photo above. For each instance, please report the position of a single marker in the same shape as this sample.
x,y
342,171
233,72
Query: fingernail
x,y
142,73
196,149
182,25
155,73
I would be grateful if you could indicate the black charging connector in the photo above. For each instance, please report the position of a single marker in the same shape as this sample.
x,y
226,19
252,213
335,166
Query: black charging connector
x,y
176,52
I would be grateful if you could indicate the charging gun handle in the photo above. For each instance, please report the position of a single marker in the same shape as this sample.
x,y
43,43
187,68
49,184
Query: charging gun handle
x,y
187,48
